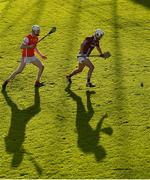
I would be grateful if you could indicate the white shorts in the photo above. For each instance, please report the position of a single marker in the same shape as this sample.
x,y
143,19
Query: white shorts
x,y
29,60
81,59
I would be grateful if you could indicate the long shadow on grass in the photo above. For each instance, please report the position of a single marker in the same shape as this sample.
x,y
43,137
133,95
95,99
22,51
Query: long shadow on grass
x,y
13,21
119,94
145,3
73,26
16,134
36,10
88,138
39,5
6,8
71,34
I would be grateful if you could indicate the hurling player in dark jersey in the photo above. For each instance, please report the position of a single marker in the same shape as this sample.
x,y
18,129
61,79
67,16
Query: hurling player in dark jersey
x,y
86,48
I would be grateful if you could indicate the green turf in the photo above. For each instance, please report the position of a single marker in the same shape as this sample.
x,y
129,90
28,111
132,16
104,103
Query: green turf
x,y
73,132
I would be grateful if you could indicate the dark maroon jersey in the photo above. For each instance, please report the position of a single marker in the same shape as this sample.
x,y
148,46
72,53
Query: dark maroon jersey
x,y
89,44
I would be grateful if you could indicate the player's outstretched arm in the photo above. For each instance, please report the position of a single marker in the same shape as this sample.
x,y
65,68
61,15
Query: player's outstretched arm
x,y
99,50
40,54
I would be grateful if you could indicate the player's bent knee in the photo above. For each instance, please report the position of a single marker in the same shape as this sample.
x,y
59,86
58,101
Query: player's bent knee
x,y
80,70
92,68
42,67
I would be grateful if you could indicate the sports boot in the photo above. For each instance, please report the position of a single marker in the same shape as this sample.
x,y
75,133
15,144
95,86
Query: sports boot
x,y
89,84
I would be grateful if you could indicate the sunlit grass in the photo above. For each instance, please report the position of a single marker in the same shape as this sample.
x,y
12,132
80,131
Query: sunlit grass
x,y
73,132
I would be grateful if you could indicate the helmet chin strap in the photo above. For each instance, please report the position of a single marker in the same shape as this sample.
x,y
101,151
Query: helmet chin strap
x,y
36,34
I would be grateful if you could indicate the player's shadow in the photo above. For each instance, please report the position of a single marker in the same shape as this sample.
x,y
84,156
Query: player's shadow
x,y
145,3
16,134
88,137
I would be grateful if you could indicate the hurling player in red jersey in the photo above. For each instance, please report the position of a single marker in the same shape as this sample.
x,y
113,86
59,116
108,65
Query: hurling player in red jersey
x,y
29,48
86,48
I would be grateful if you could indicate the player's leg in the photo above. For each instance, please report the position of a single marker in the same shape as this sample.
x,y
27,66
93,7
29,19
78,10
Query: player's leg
x,y
12,76
76,71
40,66
89,64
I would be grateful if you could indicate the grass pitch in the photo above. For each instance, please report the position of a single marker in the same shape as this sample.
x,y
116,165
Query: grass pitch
x,y
74,132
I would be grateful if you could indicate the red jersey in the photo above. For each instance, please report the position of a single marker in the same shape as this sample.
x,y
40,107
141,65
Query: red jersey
x,y
89,44
29,40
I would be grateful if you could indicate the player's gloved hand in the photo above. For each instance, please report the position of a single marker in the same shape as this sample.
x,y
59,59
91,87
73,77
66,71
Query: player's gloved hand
x,y
43,57
105,55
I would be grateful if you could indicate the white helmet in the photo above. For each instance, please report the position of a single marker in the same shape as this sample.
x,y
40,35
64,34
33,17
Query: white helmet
x,y
98,33
35,28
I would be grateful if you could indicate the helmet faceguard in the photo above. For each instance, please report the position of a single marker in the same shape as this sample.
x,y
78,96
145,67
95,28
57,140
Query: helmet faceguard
x,y
98,34
36,29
